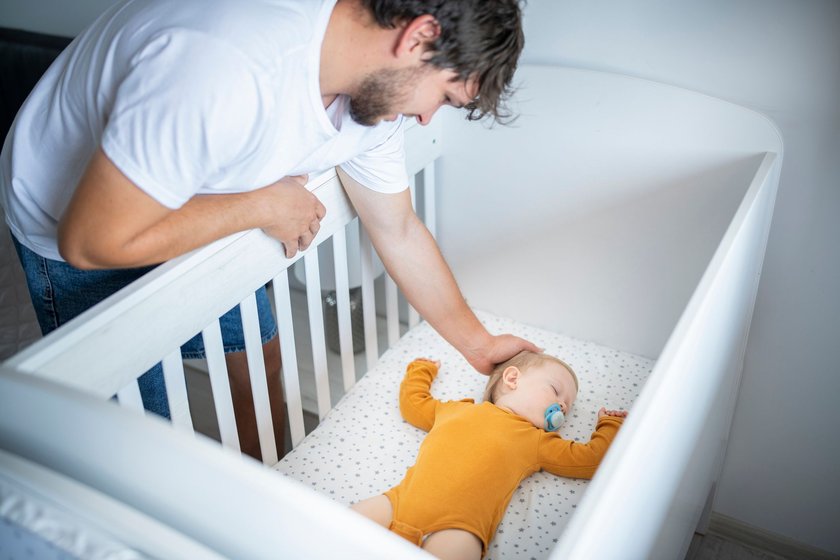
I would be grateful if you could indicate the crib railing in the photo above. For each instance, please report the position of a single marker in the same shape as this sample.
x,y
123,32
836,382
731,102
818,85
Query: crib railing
x,y
653,500
106,349
134,479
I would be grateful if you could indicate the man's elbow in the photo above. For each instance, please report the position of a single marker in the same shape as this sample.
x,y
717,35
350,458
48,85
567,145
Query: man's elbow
x,y
85,254
74,254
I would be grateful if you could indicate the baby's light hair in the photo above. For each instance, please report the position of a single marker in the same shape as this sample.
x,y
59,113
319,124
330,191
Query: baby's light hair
x,y
522,361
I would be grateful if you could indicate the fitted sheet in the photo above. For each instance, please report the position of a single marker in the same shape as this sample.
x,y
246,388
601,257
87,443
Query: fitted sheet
x,y
363,446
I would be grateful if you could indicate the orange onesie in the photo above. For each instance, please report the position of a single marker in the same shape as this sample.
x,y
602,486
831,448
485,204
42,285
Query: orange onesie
x,y
473,459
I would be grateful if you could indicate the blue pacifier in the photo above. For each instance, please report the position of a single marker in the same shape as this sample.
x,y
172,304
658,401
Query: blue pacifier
x,y
553,417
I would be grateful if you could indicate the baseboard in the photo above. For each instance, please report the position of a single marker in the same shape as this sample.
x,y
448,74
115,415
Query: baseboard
x,y
738,531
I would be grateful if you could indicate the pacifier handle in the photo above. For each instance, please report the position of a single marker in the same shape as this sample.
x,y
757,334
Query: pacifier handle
x,y
554,417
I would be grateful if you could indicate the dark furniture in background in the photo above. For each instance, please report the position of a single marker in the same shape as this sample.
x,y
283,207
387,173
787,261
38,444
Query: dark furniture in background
x,y
24,57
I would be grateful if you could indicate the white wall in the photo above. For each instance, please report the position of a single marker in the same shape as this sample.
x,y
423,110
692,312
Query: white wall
x,y
623,189
779,57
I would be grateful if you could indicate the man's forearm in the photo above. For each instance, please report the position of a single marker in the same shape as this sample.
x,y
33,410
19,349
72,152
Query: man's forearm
x,y
88,243
111,223
202,220
414,261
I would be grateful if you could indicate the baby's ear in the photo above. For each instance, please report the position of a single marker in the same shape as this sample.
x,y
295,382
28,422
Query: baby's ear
x,y
510,377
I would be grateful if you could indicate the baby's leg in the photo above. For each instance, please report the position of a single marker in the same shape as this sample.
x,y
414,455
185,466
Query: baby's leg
x,y
377,508
453,544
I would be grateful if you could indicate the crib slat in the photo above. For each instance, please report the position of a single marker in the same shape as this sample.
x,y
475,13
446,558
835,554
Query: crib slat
x,y
256,372
129,397
342,295
316,330
291,381
413,316
176,391
220,385
392,312
430,217
368,300
237,263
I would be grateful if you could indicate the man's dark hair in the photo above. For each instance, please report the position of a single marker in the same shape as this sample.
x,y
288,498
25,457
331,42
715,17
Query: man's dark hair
x,y
478,38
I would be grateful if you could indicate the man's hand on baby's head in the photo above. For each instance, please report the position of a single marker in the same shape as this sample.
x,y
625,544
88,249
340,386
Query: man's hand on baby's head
x,y
617,413
497,349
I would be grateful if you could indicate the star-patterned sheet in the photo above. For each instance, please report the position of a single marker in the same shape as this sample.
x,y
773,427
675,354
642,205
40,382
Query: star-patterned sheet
x,y
363,447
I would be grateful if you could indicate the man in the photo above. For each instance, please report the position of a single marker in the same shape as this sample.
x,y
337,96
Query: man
x,y
167,125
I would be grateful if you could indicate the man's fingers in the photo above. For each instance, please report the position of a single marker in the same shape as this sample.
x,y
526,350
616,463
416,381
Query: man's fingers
x,y
532,347
299,215
304,241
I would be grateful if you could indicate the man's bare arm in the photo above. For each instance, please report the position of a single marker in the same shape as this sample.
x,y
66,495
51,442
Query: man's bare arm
x,y
414,261
111,223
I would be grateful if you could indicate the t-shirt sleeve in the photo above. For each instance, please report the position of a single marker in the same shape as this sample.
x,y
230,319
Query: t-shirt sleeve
x,y
382,167
188,109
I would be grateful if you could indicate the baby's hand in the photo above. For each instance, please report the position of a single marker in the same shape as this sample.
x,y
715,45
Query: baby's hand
x,y
435,362
617,413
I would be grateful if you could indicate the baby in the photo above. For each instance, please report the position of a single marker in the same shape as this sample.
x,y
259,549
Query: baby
x,y
475,455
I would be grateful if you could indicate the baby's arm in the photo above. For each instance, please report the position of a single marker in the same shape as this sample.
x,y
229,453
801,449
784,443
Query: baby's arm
x,y
579,460
416,403
617,413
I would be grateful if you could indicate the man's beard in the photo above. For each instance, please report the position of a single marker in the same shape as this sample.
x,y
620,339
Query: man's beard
x,y
379,93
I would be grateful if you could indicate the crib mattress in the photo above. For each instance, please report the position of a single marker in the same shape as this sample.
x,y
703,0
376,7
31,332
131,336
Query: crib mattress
x,y
363,447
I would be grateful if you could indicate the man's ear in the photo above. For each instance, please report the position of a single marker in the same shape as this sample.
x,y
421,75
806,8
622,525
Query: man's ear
x,y
416,34
510,377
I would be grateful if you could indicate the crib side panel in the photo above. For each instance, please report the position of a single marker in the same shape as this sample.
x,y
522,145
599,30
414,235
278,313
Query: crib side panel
x,y
106,349
651,489
49,504
176,297
190,491
621,189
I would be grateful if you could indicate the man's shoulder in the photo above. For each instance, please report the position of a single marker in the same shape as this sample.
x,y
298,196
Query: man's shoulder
x,y
281,21
248,25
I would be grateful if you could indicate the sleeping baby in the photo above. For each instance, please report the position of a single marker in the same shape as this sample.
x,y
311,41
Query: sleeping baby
x,y
475,455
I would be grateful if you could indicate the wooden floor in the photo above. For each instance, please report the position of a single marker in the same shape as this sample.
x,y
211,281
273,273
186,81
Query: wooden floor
x,y
731,539
715,547
204,414
198,383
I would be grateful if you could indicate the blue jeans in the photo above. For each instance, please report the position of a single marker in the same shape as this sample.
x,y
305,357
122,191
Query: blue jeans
x,y
60,292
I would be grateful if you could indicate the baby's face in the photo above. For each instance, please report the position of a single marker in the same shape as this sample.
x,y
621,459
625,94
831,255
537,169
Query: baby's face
x,y
541,386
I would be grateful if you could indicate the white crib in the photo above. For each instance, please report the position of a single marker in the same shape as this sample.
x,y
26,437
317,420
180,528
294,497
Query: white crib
x,y
165,493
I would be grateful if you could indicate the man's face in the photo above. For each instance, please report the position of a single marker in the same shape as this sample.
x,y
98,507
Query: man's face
x,y
414,92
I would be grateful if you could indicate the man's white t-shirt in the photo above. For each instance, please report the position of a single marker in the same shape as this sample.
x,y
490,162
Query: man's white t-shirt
x,y
188,97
